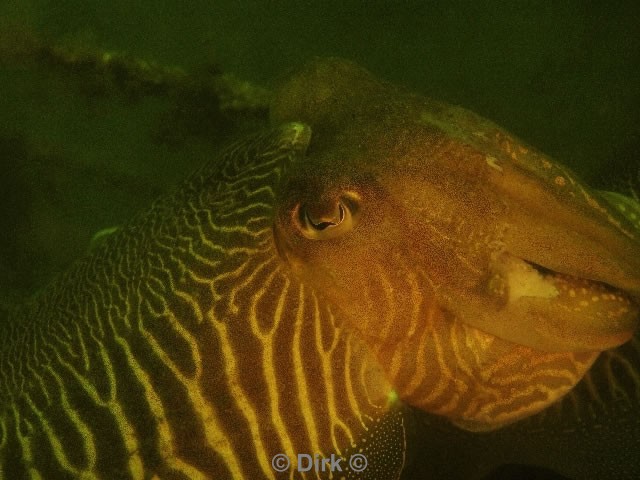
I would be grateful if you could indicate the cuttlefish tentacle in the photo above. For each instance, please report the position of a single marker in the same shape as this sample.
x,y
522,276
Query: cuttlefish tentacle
x,y
274,316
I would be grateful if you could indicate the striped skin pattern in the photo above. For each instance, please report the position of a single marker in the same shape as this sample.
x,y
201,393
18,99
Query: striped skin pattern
x,y
612,384
590,434
182,349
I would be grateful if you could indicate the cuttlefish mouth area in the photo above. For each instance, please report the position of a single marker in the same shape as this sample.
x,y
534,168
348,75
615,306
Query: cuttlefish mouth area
x,y
554,311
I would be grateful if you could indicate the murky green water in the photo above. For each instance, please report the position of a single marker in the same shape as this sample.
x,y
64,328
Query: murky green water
x,y
78,154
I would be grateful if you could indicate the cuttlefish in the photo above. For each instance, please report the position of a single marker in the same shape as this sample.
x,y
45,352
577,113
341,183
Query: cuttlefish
x,y
292,305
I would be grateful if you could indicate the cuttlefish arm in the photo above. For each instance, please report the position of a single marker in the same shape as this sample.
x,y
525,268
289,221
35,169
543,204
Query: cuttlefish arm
x,y
553,221
485,276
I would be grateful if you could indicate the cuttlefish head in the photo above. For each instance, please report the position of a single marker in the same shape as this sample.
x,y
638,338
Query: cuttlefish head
x,y
444,240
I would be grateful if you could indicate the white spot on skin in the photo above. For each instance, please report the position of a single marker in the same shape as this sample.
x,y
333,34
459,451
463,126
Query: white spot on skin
x,y
525,281
493,163
560,181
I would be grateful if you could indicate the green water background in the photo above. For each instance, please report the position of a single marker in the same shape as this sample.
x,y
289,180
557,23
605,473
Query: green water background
x,y
74,158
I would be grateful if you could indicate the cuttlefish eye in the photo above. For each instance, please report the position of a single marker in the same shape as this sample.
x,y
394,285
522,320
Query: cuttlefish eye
x,y
327,218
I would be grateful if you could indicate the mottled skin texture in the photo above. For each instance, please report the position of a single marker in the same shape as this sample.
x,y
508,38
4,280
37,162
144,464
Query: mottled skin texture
x,y
378,274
